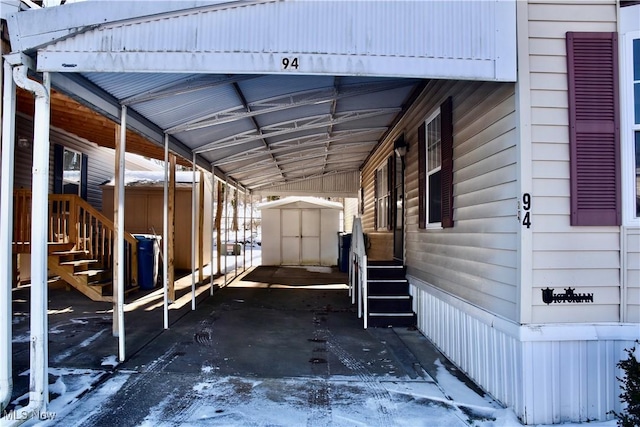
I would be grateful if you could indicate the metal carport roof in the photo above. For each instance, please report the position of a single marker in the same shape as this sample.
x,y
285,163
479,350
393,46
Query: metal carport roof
x,y
271,93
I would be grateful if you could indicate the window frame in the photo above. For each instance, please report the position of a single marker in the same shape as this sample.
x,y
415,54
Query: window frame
x,y
382,195
629,128
78,154
430,118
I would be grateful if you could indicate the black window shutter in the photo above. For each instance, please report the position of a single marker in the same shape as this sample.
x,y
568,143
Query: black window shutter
x,y
594,128
446,170
422,176
58,168
390,205
84,176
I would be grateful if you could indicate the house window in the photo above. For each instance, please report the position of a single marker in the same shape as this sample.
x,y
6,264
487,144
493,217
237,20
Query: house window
x,y
434,166
70,169
630,131
71,172
435,169
382,197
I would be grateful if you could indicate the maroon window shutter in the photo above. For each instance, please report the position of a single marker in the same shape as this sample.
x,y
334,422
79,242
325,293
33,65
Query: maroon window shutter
x,y
446,169
594,128
422,176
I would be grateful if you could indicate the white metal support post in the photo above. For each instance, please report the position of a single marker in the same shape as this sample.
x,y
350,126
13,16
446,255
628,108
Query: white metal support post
x,y
6,226
251,230
193,234
165,232
213,204
120,234
226,227
39,347
244,231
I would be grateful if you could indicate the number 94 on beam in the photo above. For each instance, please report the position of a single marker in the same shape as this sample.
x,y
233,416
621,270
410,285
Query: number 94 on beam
x,y
290,63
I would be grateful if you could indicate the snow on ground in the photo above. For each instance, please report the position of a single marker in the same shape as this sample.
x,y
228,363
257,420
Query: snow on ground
x,y
239,401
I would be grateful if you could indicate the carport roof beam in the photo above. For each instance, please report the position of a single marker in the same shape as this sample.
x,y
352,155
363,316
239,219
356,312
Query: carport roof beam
x,y
290,100
284,128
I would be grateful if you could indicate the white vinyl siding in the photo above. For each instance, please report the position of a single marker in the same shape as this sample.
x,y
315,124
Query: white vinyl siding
x,y
632,278
584,258
630,34
476,259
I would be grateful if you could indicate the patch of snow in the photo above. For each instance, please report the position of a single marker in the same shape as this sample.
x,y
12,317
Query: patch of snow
x,y
456,389
18,319
318,269
111,361
21,338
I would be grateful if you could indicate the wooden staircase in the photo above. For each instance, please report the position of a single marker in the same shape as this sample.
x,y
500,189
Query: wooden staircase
x,y
86,275
80,244
388,299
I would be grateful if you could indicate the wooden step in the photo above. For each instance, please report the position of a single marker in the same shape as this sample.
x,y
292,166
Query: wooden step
x,y
71,252
388,287
387,320
390,304
90,273
79,262
385,272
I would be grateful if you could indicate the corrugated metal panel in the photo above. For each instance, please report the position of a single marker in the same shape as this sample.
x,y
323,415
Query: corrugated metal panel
x,y
442,39
337,185
567,376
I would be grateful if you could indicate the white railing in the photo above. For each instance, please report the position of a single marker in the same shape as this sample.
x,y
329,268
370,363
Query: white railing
x,y
358,270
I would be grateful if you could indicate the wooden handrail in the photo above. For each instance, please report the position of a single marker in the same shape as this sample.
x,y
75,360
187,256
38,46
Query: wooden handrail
x,y
74,222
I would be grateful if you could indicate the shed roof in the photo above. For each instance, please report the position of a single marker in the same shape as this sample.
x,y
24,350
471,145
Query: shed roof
x,y
153,178
298,202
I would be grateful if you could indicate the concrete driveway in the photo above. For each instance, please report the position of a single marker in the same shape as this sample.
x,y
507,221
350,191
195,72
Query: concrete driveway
x,y
279,346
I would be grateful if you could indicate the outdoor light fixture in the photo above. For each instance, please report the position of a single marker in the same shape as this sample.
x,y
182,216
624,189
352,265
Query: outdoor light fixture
x,y
400,146
23,142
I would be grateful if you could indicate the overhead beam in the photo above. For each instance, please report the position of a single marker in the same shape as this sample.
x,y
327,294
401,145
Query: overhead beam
x,y
193,83
284,102
292,126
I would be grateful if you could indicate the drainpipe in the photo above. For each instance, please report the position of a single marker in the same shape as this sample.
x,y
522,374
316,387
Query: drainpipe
x,y
38,377
6,224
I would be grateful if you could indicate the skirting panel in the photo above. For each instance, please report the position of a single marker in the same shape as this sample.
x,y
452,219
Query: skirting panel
x,y
546,373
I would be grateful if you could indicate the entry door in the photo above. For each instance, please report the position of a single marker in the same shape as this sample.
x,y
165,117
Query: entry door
x,y
310,243
398,210
300,236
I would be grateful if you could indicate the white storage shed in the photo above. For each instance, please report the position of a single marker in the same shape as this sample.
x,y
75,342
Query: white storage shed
x,y
300,231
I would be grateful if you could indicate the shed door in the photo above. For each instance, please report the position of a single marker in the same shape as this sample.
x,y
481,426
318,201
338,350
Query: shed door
x,y
310,237
300,236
